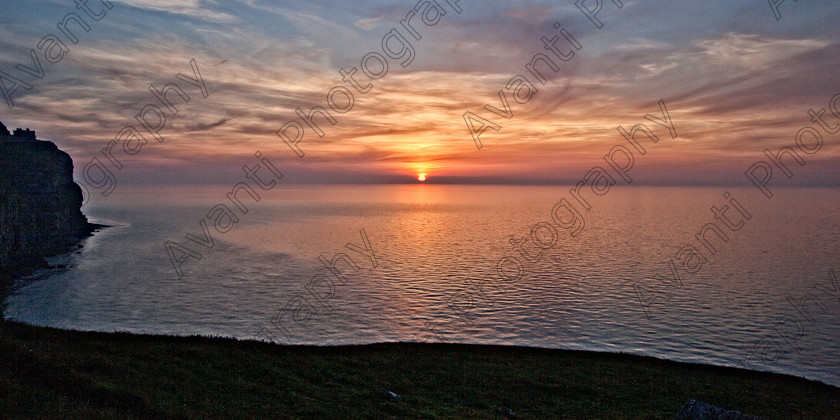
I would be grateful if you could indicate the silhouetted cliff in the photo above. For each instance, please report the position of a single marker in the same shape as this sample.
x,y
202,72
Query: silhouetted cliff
x,y
40,205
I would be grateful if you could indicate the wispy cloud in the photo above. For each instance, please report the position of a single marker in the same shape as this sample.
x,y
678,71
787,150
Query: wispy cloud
x,y
367,24
196,9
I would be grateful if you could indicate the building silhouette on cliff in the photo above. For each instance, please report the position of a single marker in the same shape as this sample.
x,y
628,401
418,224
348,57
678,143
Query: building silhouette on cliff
x,y
20,134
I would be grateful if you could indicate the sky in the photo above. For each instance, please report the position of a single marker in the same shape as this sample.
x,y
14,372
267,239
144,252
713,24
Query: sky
x,y
734,78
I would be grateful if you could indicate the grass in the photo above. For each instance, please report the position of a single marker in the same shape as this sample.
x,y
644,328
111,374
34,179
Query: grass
x,y
50,373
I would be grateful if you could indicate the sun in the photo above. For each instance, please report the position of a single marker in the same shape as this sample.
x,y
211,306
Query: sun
x,y
422,177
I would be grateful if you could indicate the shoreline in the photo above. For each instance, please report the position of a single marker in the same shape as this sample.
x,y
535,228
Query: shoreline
x,y
439,379
29,265
431,343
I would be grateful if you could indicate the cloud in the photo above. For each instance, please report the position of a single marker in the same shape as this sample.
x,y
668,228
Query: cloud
x,y
367,24
749,51
209,126
197,9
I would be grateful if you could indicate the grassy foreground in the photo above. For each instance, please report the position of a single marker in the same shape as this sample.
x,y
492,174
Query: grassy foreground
x,y
50,373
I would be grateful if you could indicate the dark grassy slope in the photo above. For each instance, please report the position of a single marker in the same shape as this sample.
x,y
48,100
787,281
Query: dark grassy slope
x,y
55,373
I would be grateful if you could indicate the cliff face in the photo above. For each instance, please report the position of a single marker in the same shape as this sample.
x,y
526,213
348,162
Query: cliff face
x,y
40,205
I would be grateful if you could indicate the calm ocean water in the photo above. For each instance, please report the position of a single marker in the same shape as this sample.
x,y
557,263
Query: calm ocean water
x,y
434,251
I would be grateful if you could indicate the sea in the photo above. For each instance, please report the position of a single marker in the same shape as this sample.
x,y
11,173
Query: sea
x,y
482,264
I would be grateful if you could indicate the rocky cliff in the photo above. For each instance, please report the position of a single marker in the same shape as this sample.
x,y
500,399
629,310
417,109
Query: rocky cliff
x,y
40,205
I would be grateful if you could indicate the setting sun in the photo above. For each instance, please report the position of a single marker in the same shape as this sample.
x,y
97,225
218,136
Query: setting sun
x,y
422,177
